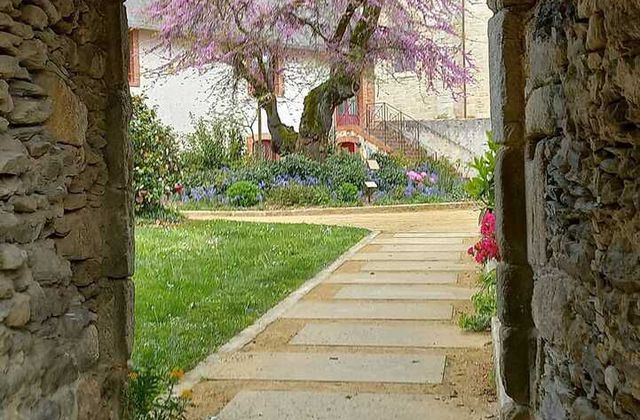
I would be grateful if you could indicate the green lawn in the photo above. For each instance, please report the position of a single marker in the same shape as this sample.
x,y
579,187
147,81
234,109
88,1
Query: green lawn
x,y
200,283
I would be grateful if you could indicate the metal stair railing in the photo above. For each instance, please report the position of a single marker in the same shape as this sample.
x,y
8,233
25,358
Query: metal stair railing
x,y
397,130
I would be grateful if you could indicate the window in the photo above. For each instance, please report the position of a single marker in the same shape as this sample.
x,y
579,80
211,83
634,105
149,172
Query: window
x,y
134,58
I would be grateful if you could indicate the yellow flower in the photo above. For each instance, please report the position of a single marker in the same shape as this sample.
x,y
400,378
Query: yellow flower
x,y
133,375
176,374
187,394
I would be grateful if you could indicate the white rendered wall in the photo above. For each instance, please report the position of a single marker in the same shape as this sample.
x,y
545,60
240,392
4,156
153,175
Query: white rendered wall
x,y
189,93
407,93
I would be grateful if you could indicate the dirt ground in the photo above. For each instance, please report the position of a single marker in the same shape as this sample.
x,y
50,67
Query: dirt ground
x,y
438,220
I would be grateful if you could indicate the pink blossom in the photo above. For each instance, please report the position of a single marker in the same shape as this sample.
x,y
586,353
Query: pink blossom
x,y
243,34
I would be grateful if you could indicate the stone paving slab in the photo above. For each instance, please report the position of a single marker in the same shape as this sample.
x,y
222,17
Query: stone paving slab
x,y
462,235
390,334
418,266
330,367
407,256
458,248
306,405
419,241
370,310
403,292
407,277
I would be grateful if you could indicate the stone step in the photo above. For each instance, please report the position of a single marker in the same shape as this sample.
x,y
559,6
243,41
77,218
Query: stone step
x,y
407,256
390,334
370,310
329,367
461,235
307,405
419,266
404,292
433,277
458,248
419,241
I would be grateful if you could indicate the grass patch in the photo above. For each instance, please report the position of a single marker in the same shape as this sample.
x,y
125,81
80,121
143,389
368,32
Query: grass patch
x,y
200,283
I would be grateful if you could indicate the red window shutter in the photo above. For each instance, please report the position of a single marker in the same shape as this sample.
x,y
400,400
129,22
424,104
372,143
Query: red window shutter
x,y
134,58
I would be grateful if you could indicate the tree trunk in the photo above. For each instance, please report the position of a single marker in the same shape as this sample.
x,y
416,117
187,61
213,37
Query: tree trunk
x,y
320,103
317,115
283,137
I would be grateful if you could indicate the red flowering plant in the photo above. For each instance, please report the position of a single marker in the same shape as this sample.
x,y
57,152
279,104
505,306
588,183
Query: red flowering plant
x,y
486,248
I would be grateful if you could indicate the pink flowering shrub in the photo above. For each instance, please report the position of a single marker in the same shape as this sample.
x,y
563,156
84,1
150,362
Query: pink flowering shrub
x,y
486,249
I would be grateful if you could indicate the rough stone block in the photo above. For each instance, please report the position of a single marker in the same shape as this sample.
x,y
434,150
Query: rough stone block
x,y
29,111
535,170
68,122
596,35
505,64
84,239
11,257
9,67
515,290
14,158
34,16
544,110
511,219
20,311
33,54
515,362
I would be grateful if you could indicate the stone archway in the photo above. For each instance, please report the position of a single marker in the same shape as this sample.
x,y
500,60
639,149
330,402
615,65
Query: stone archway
x,y
565,97
65,209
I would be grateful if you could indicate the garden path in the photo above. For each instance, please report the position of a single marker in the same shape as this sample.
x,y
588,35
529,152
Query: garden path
x,y
376,338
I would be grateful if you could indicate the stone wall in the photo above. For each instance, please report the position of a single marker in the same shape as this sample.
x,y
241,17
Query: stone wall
x,y
65,209
457,140
566,107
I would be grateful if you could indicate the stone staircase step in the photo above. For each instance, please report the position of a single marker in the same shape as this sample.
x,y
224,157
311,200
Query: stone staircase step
x,y
308,405
390,334
370,310
404,292
408,256
329,367
461,248
418,266
434,277
419,241
462,235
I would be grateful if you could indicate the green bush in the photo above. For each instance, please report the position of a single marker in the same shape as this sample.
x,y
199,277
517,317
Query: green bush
x,y
297,165
391,174
482,186
298,195
156,156
347,193
344,168
149,396
214,143
485,305
243,194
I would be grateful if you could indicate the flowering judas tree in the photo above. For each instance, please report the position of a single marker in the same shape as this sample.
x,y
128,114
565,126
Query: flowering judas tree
x,y
256,38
